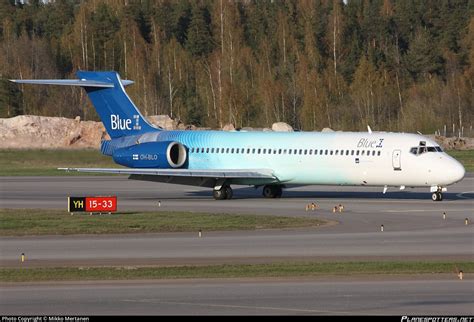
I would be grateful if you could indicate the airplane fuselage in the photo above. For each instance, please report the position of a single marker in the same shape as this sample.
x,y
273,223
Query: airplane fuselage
x,y
338,158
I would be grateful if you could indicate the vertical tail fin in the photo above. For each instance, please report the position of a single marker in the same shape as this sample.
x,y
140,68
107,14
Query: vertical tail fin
x,y
107,93
116,110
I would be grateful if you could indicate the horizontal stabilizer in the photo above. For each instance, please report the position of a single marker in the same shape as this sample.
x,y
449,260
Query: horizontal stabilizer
x,y
106,90
70,82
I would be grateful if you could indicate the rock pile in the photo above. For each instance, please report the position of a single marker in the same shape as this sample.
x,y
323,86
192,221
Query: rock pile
x,y
454,143
281,127
42,132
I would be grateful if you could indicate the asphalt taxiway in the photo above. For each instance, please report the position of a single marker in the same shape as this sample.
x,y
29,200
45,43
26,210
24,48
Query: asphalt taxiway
x,y
224,297
414,229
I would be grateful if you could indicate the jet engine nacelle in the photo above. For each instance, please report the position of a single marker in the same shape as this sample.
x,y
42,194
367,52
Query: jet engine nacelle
x,y
162,155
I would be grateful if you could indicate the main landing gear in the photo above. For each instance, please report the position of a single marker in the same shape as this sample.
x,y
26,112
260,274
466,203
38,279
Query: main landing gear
x,y
269,191
272,191
225,192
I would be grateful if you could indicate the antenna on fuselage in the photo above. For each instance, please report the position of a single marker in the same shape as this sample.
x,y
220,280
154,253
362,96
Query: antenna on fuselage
x,y
369,129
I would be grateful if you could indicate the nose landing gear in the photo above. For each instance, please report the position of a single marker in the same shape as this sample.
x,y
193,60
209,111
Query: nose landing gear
x,y
437,196
437,193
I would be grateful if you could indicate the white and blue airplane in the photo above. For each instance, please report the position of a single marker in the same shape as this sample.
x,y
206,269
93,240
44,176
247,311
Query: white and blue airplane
x,y
272,160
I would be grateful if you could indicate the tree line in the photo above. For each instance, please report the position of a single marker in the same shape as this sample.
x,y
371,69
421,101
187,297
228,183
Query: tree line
x,y
403,65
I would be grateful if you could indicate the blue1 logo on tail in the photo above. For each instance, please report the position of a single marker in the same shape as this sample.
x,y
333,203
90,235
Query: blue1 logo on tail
x,y
116,123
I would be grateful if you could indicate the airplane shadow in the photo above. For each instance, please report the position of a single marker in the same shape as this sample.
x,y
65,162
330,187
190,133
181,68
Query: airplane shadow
x,y
251,193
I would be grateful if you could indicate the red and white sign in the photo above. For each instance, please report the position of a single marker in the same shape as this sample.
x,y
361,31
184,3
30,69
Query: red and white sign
x,y
101,204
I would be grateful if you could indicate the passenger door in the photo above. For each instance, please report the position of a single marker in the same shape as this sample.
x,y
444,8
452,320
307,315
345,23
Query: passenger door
x,y
397,160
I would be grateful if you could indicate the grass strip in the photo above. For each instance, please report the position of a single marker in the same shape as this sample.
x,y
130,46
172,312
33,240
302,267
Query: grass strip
x,y
22,222
310,269
45,162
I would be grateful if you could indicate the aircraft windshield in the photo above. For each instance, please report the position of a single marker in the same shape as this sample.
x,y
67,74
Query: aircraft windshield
x,y
422,148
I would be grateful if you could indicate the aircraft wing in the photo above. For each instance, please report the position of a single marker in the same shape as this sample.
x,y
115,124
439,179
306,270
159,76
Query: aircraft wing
x,y
217,174
202,178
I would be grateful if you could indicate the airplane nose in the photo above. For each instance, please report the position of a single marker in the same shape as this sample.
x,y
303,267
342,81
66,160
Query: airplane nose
x,y
457,172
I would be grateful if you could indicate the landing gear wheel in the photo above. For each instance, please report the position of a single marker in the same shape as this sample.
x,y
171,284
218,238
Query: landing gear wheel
x,y
437,196
229,193
224,192
268,192
220,194
272,191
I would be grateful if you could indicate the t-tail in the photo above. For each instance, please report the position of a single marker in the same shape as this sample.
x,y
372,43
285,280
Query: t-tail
x,y
107,93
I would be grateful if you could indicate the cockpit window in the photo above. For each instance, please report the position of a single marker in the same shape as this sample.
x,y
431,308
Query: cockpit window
x,y
422,148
